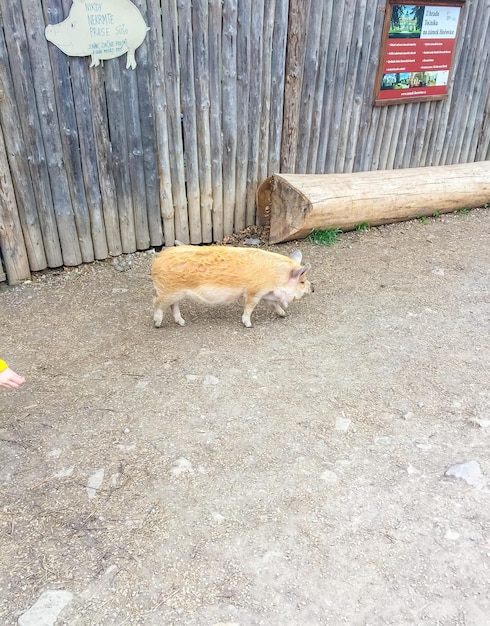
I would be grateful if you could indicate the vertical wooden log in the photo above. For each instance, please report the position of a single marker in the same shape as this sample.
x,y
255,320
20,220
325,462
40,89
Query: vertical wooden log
x,y
272,105
368,116
397,148
472,69
364,162
69,236
295,55
358,56
481,129
428,131
188,101
174,118
440,129
353,22
389,147
254,110
129,84
306,131
146,102
463,54
445,112
62,100
215,13
317,103
155,36
229,116
103,158
481,124
242,94
12,245
325,159
201,75
88,157
335,151
406,158
421,123
378,133
268,115
18,53
18,162
120,158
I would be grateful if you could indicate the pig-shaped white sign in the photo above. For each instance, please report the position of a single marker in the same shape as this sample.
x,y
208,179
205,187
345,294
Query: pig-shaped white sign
x,y
104,29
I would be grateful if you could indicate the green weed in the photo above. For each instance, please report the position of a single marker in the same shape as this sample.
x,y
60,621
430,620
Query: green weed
x,y
324,237
363,226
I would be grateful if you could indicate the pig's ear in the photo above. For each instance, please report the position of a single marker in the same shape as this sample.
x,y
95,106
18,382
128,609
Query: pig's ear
x,y
297,255
297,274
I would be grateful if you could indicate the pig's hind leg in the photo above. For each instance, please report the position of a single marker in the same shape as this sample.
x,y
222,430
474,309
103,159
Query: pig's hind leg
x,y
160,303
176,313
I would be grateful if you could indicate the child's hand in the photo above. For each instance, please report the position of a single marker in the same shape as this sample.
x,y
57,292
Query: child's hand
x,y
10,380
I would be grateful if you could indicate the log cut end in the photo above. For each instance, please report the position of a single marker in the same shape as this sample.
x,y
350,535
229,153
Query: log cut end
x,y
281,209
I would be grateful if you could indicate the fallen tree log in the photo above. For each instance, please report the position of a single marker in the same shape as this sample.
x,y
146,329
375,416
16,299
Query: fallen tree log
x,y
290,206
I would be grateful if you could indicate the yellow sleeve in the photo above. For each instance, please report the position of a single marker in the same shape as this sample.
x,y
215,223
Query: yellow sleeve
x,y
3,365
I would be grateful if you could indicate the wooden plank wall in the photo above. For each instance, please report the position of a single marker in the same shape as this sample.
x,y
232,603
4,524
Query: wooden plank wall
x,y
102,161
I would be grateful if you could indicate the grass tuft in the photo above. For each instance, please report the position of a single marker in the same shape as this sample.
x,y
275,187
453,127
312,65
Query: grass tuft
x,y
324,237
363,226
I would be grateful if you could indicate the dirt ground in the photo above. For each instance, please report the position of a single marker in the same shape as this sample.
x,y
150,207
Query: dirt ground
x,y
288,474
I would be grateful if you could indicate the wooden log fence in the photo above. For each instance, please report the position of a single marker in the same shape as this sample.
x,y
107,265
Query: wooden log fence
x,y
100,161
11,239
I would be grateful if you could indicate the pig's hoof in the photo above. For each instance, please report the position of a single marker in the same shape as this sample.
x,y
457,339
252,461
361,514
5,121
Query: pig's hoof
x,y
158,319
178,319
247,323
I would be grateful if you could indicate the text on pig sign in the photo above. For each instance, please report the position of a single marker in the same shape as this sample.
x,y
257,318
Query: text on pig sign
x,y
103,29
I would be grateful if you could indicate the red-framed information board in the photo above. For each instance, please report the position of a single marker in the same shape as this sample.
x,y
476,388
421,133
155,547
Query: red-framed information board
x,y
417,52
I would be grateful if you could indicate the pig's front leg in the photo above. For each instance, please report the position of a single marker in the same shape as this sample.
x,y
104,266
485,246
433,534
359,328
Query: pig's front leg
x,y
250,304
95,61
277,308
277,299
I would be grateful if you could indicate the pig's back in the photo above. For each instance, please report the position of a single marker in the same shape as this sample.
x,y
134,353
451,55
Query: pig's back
x,y
188,267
